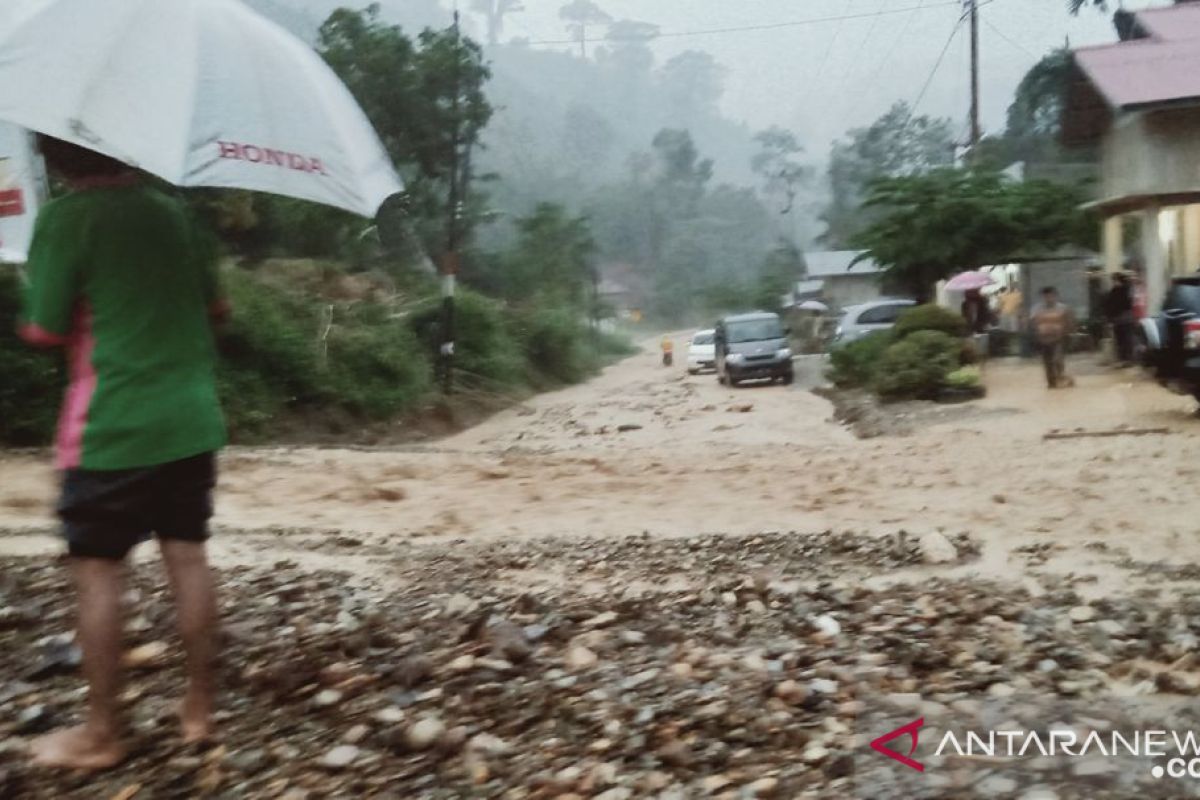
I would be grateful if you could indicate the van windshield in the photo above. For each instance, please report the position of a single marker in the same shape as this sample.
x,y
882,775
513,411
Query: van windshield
x,y
702,338
755,330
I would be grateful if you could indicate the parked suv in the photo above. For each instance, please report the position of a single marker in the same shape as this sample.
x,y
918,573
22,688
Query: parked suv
x,y
753,346
860,321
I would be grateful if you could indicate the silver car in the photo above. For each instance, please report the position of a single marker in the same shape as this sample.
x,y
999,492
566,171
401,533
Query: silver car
x,y
861,320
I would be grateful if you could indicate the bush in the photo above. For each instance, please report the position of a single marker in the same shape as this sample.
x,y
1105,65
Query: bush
x,y
31,382
916,367
930,317
853,365
554,342
964,378
485,350
272,363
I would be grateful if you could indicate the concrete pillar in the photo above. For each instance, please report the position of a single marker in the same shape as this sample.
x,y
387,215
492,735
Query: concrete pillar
x,y
1154,257
1114,244
1191,238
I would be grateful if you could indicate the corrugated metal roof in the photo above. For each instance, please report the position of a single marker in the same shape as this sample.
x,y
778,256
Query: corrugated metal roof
x,y
1144,72
1172,23
831,263
1162,68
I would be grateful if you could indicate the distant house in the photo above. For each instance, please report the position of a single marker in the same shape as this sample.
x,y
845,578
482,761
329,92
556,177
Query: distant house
x,y
834,279
1139,100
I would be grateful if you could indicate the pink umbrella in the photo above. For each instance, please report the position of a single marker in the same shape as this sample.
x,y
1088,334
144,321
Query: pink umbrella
x,y
967,281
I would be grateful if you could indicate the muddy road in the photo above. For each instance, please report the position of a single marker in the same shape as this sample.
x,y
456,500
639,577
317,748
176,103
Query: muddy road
x,y
643,449
655,586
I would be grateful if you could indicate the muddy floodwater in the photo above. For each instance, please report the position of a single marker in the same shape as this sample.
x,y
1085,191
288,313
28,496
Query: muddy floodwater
x,y
652,585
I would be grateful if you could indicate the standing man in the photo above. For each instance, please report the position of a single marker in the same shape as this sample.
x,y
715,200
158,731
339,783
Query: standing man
x,y
1118,307
1052,323
121,277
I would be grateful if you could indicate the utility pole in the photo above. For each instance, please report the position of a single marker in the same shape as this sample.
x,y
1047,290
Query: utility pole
x,y
976,129
450,257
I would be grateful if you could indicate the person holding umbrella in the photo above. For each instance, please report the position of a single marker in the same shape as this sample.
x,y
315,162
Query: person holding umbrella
x,y
121,277
196,93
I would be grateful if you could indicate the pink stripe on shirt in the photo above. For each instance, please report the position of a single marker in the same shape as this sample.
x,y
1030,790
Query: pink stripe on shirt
x,y
73,421
38,336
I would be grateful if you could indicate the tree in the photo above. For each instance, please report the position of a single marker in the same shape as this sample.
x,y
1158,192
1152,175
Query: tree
x,y
579,15
493,12
408,91
776,165
553,256
896,144
934,225
692,82
1035,116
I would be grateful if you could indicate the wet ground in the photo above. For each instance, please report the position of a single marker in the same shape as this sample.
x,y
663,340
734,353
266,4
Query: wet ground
x,y
744,542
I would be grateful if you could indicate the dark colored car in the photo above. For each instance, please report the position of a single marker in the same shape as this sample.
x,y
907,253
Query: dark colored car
x,y
753,347
1171,340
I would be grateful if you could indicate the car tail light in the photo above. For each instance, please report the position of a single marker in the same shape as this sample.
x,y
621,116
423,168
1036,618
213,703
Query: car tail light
x,y
1191,334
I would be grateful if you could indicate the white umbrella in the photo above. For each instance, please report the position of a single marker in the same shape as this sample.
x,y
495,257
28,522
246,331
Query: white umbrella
x,y
197,92
812,305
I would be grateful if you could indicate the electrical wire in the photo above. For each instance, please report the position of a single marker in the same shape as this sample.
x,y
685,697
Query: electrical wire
x,y
912,109
1009,39
745,28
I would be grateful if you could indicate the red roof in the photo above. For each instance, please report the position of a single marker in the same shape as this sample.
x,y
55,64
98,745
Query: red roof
x,y
1172,23
1163,67
1143,72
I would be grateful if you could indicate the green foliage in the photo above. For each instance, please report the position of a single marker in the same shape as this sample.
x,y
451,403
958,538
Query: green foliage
x,y
932,226
425,98
486,354
853,365
916,367
964,378
554,343
31,382
552,257
895,145
274,363
930,317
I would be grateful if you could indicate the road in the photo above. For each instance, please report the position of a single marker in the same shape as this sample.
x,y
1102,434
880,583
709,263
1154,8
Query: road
x,y
654,586
646,449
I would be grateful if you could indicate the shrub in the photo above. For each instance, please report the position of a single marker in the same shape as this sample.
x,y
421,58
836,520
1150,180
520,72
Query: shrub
x,y
485,350
930,317
964,378
554,342
853,365
31,382
373,366
916,367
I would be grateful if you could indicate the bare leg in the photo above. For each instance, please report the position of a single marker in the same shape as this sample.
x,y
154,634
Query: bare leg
x,y
97,743
196,609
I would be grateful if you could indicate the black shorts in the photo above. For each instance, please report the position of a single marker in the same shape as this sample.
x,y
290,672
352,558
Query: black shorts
x,y
105,513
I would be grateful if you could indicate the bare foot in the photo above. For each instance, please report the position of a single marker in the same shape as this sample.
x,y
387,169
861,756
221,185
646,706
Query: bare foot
x,y
195,720
77,748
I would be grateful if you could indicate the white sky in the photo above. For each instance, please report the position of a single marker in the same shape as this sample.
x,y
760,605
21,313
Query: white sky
x,y
823,79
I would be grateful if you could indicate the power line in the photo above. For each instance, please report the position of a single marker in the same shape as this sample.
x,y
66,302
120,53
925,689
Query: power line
x,y
1009,39
744,28
937,65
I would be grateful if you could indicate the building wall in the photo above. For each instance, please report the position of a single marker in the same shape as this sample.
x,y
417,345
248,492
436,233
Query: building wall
x,y
1152,153
1069,277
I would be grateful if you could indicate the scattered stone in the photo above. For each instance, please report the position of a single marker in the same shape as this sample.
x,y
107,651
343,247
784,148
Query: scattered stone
x,y
425,733
340,757
1082,614
937,549
580,658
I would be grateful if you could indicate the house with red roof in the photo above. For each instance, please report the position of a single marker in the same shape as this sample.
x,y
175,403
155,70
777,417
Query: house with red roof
x,y
1139,101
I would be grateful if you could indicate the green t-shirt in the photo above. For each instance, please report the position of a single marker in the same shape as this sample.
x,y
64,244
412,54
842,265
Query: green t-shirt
x,y
123,277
